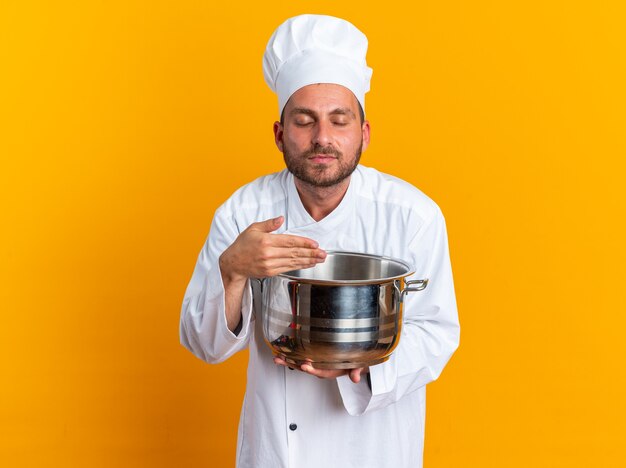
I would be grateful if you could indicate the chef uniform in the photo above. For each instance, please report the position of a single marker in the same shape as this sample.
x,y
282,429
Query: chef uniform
x,y
291,419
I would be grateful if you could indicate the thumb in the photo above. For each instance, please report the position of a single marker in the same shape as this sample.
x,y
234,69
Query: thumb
x,y
269,225
355,374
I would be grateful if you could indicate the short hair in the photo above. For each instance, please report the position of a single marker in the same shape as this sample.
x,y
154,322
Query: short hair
x,y
361,114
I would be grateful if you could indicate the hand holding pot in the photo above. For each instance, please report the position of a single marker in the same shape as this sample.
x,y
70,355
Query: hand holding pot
x,y
354,374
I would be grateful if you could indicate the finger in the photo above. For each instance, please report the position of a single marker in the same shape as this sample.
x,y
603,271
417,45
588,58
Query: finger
x,y
277,257
355,374
266,255
321,373
288,240
279,360
276,261
299,253
269,225
273,268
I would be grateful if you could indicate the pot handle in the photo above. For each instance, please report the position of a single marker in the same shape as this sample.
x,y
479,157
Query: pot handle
x,y
413,286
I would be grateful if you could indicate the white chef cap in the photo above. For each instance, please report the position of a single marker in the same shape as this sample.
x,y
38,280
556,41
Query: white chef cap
x,y
310,49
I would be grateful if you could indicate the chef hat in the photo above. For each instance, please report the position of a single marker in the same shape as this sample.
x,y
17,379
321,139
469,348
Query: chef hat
x,y
310,49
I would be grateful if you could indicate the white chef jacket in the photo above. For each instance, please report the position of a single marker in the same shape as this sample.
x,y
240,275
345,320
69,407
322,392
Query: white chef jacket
x,y
291,419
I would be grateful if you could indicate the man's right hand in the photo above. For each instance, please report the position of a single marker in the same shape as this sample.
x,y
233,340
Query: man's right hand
x,y
257,254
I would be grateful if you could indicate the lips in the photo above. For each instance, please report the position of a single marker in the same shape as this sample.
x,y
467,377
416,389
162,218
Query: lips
x,y
322,158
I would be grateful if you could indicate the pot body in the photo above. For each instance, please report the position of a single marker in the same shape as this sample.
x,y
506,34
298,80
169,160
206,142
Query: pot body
x,y
342,314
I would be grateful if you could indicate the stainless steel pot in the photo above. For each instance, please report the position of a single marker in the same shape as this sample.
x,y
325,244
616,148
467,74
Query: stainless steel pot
x,y
341,314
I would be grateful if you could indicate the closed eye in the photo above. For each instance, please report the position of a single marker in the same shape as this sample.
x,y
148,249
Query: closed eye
x,y
303,123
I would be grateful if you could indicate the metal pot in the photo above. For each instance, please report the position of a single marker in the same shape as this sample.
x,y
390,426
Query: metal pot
x,y
341,314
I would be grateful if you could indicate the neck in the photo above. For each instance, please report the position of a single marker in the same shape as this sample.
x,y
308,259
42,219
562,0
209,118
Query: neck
x,y
321,201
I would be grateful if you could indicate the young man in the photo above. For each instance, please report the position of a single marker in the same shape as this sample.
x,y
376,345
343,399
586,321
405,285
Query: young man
x,y
323,200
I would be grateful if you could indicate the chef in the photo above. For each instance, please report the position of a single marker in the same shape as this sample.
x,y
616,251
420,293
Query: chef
x,y
305,417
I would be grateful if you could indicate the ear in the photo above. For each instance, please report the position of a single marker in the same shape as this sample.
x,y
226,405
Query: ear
x,y
278,135
365,130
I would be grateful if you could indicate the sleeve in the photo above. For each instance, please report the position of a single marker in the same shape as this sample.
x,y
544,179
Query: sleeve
x,y
203,328
430,332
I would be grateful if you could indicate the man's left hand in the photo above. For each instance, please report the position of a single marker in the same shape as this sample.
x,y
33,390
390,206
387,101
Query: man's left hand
x,y
355,374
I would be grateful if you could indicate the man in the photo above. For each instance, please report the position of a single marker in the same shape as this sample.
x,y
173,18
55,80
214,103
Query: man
x,y
366,417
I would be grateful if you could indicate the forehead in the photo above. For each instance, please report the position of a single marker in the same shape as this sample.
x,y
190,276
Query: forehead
x,y
322,98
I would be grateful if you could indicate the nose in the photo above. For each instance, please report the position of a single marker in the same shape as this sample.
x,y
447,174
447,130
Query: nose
x,y
322,134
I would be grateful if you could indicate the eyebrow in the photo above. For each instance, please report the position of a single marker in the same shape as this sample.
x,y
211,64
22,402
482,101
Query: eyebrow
x,y
302,110
343,111
337,111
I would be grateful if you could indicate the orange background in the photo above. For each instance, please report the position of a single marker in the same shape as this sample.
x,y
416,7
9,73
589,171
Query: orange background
x,y
125,124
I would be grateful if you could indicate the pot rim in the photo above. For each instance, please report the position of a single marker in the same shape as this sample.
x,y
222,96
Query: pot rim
x,y
409,271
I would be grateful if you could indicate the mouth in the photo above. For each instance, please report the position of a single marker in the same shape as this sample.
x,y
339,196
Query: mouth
x,y
322,158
